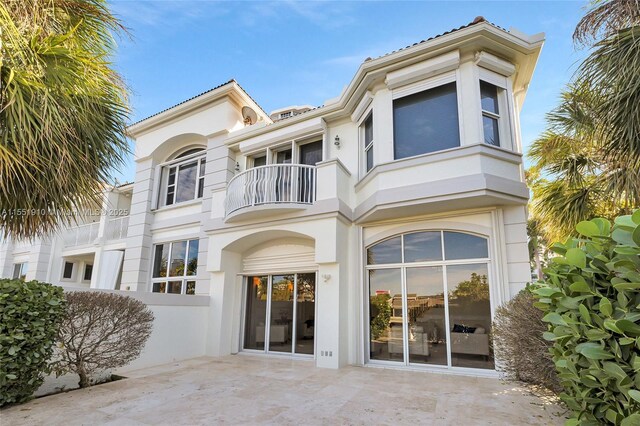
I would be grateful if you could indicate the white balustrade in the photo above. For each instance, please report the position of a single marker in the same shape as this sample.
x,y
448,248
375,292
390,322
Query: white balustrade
x,y
116,228
272,184
81,235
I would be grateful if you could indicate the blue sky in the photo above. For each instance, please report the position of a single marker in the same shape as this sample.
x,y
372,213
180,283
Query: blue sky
x,y
285,53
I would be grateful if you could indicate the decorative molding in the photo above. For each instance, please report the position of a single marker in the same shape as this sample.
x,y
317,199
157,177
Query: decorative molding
x,y
362,106
411,74
495,64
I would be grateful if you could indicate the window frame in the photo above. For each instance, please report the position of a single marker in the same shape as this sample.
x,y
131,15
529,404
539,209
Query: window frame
x,y
22,269
362,149
73,270
185,278
403,267
174,165
84,272
506,130
423,86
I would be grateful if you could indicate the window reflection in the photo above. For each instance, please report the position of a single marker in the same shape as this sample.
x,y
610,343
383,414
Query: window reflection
x,y
422,247
426,316
385,314
469,316
389,251
458,245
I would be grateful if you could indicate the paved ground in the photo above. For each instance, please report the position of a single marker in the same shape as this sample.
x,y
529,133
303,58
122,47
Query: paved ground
x,y
252,389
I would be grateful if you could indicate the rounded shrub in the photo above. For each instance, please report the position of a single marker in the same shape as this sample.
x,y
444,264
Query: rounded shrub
x,y
591,301
517,338
100,331
30,314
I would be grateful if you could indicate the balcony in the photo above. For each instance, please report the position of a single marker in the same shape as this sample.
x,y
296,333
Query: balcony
x,y
279,187
116,228
81,235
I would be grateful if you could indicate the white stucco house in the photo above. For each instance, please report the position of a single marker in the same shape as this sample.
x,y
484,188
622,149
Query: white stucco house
x,y
382,228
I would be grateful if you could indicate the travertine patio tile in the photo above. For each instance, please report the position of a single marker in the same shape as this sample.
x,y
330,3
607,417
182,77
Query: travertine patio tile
x,y
261,390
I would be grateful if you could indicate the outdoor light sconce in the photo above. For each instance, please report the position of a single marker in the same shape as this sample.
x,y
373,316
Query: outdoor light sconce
x,y
326,277
237,167
336,141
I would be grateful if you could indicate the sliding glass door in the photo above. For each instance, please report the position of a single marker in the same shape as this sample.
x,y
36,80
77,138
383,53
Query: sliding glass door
x,y
429,300
280,313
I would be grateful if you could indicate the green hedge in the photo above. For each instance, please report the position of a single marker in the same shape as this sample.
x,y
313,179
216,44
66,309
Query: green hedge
x,y
30,313
591,298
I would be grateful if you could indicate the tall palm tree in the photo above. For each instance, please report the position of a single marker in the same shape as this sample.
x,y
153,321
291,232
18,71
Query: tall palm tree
x,y
63,111
587,162
574,177
611,71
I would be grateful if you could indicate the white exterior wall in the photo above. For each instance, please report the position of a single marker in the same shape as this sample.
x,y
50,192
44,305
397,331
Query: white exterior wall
x,y
475,188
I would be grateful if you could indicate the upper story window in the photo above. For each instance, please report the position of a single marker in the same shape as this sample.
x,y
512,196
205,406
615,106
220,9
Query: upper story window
x,y
175,265
367,138
490,113
20,271
183,178
426,122
285,114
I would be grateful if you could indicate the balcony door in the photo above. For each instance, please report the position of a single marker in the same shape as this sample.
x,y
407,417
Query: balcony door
x,y
310,155
280,313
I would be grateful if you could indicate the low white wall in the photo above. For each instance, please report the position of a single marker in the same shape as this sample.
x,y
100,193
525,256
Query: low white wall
x,y
179,328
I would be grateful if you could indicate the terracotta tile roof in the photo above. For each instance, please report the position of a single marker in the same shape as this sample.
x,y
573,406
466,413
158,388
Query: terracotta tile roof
x,y
197,96
477,20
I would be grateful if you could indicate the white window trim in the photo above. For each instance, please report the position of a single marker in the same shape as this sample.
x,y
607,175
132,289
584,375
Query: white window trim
x,y
494,294
506,128
183,278
424,85
74,270
198,158
362,150
84,272
24,268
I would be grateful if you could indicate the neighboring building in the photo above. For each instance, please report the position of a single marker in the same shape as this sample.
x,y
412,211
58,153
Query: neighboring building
x,y
384,227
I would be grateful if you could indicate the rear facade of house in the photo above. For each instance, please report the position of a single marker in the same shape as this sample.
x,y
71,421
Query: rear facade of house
x,y
383,228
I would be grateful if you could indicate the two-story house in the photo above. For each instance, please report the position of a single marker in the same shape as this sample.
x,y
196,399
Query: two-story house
x,y
383,227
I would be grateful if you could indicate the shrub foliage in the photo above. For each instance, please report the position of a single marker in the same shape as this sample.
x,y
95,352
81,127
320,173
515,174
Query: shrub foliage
x,y
524,353
30,313
591,301
100,331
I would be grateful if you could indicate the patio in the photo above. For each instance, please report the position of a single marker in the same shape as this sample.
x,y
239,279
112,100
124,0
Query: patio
x,y
255,389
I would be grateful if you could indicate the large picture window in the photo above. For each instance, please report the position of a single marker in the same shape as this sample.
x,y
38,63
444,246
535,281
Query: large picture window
x,y
426,122
429,300
183,179
175,266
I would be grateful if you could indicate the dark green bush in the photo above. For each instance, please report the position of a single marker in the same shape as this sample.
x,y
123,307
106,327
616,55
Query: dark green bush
x,y
30,313
591,300
518,339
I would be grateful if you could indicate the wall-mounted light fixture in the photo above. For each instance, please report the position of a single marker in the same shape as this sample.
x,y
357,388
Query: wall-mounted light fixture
x,y
237,167
326,277
336,141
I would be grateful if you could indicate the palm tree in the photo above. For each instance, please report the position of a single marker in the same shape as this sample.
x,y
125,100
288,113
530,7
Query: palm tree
x,y
587,162
573,176
611,71
63,111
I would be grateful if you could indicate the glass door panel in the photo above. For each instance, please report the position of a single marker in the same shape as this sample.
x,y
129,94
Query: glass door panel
x,y
386,325
256,312
281,314
469,316
305,313
426,315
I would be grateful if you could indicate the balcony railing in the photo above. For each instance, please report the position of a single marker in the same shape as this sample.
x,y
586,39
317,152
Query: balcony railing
x,y
272,184
81,235
116,228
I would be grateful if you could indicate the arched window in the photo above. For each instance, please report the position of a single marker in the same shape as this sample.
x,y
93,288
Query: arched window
x,y
182,178
429,300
